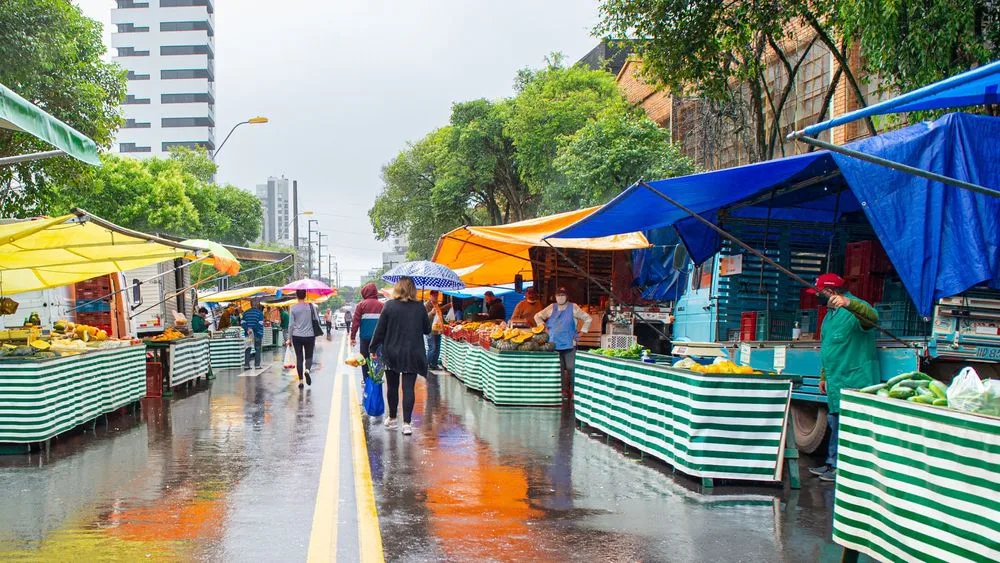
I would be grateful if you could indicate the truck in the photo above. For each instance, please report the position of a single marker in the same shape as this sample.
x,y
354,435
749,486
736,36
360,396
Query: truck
x,y
154,294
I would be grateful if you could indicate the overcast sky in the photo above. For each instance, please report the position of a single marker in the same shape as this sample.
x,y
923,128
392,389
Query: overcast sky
x,y
347,84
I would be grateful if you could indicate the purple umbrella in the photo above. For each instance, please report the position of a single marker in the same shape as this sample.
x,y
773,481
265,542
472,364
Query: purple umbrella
x,y
314,287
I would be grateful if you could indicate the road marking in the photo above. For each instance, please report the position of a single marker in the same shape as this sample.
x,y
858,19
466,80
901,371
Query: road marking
x,y
323,537
369,533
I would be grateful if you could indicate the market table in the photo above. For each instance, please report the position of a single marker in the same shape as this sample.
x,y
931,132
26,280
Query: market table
x,y
506,378
915,482
183,360
273,337
40,399
226,350
712,426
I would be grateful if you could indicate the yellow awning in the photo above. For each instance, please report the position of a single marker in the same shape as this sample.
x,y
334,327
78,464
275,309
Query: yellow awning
x,y
236,294
494,255
53,252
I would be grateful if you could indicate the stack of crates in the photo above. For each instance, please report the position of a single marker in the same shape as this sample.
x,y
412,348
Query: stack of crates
x,y
901,318
865,263
93,303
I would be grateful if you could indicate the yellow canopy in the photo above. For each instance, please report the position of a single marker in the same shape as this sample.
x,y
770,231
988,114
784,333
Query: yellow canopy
x,y
53,252
237,294
494,255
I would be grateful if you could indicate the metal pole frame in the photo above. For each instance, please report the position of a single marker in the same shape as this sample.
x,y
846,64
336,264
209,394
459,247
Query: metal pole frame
x,y
897,166
755,252
11,160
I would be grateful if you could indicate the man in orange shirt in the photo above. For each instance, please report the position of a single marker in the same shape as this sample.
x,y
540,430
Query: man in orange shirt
x,y
526,310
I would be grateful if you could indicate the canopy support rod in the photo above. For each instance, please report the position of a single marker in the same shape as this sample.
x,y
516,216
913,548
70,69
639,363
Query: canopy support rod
x,y
898,166
606,290
85,215
529,260
9,160
752,250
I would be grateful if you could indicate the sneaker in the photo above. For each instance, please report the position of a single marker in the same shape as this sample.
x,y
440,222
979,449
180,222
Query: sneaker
x,y
407,429
389,423
309,380
821,470
830,476
300,385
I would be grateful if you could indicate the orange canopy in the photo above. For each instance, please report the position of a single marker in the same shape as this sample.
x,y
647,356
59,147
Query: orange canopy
x,y
494,255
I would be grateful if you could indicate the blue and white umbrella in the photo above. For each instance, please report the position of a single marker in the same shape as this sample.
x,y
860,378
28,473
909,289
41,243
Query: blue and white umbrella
x,y
426,275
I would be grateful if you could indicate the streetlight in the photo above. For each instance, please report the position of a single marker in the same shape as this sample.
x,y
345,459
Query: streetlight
x,y
252,121
309,241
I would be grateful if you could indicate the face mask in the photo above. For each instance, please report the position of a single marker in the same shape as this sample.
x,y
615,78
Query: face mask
x,y
530,300
561,299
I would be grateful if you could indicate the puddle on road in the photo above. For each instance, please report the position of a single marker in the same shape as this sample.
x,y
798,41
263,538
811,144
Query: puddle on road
x,y
478,482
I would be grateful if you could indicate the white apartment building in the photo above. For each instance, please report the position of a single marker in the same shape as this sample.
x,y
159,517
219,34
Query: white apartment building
x,y
276,202
168,49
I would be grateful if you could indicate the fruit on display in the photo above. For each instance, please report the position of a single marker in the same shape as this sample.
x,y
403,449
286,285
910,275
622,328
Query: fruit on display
x,y
966,393
168,335
538,329
40,345
540,338
521,339
528,346
719,365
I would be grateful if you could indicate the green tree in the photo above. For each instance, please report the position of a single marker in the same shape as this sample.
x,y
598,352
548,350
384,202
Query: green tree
x,y
621,146
745,54
553,103
52,56
911,43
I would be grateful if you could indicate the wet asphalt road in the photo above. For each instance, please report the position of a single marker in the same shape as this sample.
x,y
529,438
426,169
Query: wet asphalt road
x,y
229,471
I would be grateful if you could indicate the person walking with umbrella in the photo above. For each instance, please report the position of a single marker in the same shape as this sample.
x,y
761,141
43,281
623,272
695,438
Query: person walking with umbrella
x,y
303,325
400,334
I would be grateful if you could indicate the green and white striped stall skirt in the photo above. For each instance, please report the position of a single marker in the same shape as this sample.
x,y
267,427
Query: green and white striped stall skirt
x,y
916,482
705,425
40,399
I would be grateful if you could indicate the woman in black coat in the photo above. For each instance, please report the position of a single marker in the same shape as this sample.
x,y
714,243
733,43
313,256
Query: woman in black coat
x,y
400,332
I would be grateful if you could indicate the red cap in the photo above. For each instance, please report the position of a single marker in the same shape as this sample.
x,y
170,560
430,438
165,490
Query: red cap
x,y
825,281
561,291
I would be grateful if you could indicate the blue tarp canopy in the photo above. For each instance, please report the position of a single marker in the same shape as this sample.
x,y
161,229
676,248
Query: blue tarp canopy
x,y
941,239
979,86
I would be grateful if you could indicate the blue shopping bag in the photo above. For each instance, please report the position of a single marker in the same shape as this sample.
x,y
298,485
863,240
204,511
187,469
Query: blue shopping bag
x,y
374,403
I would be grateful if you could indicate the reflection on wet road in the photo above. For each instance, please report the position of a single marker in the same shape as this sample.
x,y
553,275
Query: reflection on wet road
x,y
226,471
476,482
230,471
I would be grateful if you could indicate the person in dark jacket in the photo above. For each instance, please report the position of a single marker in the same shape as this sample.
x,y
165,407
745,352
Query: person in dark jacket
x,y
365,318
495,310
400,332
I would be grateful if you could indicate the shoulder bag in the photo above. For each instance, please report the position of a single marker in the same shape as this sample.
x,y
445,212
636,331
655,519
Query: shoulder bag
x,y
317,326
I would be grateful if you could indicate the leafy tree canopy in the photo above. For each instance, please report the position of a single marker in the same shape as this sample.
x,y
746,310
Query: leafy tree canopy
x,y
512,159
51,56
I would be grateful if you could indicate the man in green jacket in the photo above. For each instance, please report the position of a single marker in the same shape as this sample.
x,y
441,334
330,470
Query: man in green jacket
x,y
847,355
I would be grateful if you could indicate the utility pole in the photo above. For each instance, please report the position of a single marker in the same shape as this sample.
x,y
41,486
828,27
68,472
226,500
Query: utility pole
x,y
329,270
295,229
319,253
309,244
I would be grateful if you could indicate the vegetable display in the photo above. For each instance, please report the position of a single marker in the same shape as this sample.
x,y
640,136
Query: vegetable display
x,y
633,352
966,393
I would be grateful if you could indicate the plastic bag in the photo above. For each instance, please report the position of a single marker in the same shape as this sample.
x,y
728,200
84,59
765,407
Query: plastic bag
x,y
685,363
289,361
376,368
966,392
373,401
991,398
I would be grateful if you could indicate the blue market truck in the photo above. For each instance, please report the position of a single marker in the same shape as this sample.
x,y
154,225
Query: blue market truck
x,y
738,307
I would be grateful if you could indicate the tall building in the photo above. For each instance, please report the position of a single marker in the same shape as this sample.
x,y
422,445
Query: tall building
x,y
168,49
275,199
400,244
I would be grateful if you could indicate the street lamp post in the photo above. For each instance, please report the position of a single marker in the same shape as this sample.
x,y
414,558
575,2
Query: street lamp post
x,y
252,121
309,240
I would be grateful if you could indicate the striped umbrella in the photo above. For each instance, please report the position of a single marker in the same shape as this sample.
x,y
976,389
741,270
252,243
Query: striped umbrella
x,y
426,275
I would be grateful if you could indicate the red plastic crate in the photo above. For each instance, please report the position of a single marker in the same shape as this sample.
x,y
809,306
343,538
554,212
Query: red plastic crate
x,y
868,287
866,257
807,300
748,325
154,380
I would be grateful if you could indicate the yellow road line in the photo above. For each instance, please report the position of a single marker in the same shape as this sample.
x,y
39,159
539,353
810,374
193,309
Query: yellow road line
x,y
369,533
323,537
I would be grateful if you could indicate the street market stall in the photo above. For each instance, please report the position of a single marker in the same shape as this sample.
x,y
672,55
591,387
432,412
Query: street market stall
x,y
712,426
41,398
917,482
506,378
226,349
183,359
